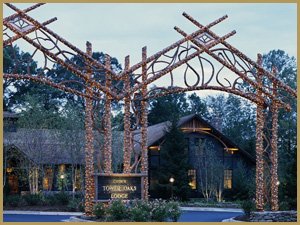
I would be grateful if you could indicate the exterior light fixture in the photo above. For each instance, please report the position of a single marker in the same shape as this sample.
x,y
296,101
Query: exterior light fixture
x,y
277,183
172,180
62,176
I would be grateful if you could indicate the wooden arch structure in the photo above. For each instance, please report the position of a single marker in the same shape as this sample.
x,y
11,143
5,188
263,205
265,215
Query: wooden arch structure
x,y
203,46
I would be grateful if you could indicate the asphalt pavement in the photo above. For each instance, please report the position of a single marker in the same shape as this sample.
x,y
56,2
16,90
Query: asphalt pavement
x,y
187,216
34,218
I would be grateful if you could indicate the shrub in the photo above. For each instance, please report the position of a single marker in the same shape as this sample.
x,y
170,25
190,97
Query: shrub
x,y
99,210
284,206
75,205
118,210
248,207
62,198
81,206
292,203
139,211
158,210
50,200
173,211
12,200
33,199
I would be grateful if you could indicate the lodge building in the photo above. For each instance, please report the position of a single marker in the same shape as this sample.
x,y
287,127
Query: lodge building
x,y
56,155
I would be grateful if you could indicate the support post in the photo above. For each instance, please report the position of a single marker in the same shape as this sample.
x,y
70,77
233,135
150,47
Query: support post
x,y
127,132
274,150
107,121
259,143
144,123
89,146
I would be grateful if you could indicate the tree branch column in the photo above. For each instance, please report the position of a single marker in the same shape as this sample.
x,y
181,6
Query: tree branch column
x,y
274,151
107,121
144,123
127,135
259,144
89,147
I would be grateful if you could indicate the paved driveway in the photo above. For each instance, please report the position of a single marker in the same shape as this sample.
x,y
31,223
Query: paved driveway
x,y
33,218
187,216
193,216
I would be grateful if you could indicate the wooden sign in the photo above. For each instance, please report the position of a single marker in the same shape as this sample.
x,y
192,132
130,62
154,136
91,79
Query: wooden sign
x,y
118,186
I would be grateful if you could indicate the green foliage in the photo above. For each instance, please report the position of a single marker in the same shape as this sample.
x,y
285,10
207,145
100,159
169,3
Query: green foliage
x,y
248,207
51,199
99,210
117,211
161,108
33,199
244,182
139,212
159,210
173,211
62,181
174,163
75,205
62,198
12,200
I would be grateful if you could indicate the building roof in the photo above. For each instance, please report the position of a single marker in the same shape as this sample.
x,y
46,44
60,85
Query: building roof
x,y
65,147
158,131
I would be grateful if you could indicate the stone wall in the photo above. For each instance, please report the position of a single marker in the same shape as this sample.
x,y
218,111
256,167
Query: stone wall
x,y
279,216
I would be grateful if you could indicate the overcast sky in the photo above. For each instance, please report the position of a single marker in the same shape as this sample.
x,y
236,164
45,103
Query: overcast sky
x,y
121,29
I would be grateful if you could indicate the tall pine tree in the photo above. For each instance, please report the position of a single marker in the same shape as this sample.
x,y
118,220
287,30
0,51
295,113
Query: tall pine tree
x,y
174,163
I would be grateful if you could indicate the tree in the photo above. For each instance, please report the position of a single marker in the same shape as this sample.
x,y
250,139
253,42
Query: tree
x,y
244,182
174,163
287,125
211,172
197,106
161,109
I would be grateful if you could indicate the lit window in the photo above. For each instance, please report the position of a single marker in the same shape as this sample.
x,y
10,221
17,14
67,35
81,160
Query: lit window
x,y
62,168
227,179
193,179
48,179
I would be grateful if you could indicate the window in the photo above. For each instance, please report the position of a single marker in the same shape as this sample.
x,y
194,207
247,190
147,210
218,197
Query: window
x,y
48,179
227,179
193,179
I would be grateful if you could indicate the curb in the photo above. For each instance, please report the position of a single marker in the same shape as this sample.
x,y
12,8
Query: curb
x,y
231,220
195,209
203,209
76,219
43,213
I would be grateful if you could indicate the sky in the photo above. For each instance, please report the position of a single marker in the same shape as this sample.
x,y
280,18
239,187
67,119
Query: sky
x,y
122,29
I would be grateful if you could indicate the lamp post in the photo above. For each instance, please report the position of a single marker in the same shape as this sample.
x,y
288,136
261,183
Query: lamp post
x,y
171,181
62,177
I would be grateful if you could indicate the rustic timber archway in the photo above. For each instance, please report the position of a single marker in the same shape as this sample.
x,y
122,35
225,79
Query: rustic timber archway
x,y
252,82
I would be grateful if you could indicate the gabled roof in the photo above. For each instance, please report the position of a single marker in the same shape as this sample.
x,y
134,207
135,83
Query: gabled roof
x,y
157,132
